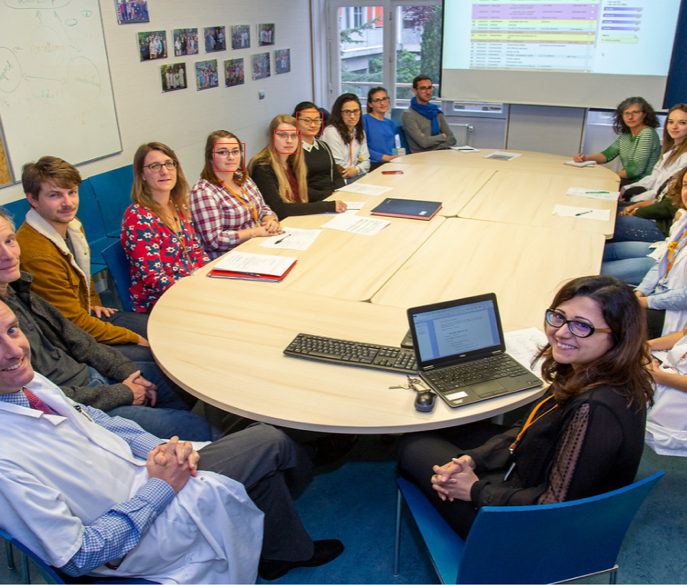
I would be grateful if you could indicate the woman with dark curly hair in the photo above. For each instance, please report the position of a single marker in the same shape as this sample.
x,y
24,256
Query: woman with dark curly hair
x,y
345,135
638,144
584,437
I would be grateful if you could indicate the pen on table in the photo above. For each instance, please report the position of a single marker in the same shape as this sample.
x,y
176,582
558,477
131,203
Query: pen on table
x,y
583,212
597,191
282,239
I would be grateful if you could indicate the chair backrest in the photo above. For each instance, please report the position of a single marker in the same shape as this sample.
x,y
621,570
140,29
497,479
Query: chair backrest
x,y
17,209
402,137
113,193
89,213
118,266
48,573
397,115
554,542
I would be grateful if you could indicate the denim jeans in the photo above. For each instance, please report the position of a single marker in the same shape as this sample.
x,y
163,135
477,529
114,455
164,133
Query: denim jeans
x,y
629,228
171,414
627,261
138,323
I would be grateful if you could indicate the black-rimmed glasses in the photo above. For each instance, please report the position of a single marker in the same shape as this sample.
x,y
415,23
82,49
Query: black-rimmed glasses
x,y
577,328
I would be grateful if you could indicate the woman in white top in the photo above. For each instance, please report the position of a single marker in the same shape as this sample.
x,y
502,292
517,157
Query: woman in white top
x,y
346,137
673,158
666,424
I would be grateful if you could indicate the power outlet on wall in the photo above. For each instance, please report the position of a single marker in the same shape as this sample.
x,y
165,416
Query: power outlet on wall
x,y
261,94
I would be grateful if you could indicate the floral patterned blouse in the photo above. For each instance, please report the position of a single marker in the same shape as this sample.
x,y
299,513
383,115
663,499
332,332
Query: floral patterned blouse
x,y
158,257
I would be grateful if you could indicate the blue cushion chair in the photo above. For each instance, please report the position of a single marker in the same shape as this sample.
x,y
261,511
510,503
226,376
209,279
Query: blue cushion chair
x,y
527,544
402,137
118,267
113,193
50,574
17,209
94,227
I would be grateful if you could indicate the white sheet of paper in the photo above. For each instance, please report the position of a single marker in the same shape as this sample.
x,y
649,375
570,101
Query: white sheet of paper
x,y
368,226
582,212
502,155
572,163
292,239
364,189
354,205
524,344
255,263
593,194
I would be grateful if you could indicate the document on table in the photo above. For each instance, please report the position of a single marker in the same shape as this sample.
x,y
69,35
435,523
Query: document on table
x,y
593,194
292,239
585,212
365,189
368,226
588,163
524,344
354,205
500,155
248,263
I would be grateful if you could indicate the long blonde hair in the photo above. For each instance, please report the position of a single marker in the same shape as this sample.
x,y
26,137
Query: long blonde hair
x,y
669,142
267,156
140,192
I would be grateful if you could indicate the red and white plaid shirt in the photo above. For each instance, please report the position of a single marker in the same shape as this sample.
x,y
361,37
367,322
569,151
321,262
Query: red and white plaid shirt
x,y
218,214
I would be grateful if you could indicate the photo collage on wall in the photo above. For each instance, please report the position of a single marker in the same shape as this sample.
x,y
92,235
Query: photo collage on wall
x,y
185,42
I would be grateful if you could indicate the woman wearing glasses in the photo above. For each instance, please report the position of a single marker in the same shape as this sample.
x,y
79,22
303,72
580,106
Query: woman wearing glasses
x,y
227,206
379,131
584,437
279,172
323,175
157,233
346,137
638,144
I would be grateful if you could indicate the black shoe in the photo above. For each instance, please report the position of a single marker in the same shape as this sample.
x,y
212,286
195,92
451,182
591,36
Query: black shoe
x,y
325,551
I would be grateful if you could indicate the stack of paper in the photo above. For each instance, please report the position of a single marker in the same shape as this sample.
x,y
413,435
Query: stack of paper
x,y
572,163
246,266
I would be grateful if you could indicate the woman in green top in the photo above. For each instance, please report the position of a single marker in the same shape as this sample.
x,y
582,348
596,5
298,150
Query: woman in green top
x,y
638,144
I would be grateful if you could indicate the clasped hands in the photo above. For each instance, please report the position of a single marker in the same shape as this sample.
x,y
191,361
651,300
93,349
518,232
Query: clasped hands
x,y
454,480
173,462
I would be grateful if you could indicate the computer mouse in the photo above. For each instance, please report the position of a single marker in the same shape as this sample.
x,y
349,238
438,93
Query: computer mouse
x,y
424,401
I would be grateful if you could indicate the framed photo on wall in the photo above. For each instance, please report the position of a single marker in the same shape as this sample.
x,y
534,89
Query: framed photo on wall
x,y
261,65
185,41
173,77
265,34
131,11
234,73
152,45
215,39
282,61
240,36
206,74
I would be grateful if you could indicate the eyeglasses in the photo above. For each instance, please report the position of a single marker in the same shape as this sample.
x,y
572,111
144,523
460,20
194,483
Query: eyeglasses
x,y
286,135
350,112
424,88
632,114
380,100
226,153
577,328
156,167
309,121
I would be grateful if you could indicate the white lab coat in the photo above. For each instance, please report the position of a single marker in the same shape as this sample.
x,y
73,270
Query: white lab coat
x,y
59,473
666,424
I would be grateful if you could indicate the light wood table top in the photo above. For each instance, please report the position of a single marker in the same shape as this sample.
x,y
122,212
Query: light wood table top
x,y
224,345
528,198
523,265
453,186
345,265
529,161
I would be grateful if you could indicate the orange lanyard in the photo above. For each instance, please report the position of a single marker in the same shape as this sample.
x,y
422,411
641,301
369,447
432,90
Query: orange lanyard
x,y
673,251
530,421
247,201
181,234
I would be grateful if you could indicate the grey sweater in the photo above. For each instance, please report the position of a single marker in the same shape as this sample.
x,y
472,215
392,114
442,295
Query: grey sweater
x,y
62,352
418,131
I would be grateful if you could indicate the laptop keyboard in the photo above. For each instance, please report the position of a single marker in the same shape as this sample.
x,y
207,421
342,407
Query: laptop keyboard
x,y
352,353
484,370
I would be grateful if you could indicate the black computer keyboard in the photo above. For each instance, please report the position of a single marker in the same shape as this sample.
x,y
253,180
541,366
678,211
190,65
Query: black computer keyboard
x,y
352,353
491,368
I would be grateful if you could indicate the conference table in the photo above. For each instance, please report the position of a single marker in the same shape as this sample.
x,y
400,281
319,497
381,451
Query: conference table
x,y
223,340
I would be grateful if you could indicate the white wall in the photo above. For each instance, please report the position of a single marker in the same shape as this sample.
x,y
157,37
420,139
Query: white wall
x,y
183,119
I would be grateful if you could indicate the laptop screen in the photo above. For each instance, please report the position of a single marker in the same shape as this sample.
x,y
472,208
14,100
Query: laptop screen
x,y
457,329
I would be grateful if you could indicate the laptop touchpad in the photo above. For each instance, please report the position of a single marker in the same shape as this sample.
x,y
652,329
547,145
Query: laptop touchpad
x,y
488,389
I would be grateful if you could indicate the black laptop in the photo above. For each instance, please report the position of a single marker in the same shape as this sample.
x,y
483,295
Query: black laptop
x,y
461,352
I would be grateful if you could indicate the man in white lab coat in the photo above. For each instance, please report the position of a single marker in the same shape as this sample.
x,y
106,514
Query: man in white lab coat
x,y
93,493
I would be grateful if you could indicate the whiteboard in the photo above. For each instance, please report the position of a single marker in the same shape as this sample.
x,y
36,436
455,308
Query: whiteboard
x,y
55,88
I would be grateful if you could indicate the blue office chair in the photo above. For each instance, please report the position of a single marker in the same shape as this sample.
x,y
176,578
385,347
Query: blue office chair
x,y
113,193
50,574
527,544
118,267
93,224
402,137
17,209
